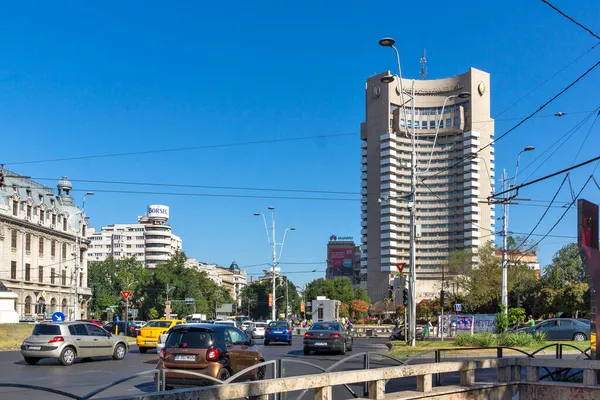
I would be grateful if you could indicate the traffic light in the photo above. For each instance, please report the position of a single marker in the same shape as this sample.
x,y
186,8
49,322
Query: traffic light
x,y
270,299
405,297
442,298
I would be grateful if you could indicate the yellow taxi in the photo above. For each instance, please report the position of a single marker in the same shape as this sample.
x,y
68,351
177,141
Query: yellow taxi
x,y
148,335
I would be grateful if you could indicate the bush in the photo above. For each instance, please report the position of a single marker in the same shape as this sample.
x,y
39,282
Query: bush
x,y
517,339
501,320
463,340
540,338
513,339
483,339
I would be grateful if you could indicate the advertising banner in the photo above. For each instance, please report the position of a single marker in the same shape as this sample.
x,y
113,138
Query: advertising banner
x,y
340,261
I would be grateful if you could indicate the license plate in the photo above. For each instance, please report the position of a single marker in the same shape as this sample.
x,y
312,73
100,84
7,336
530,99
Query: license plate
x,y
34,347
149,342
277,331
183,357
320,344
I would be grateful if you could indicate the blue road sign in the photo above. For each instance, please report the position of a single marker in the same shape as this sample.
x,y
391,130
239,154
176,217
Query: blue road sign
x,y
458,307
118,318
58,317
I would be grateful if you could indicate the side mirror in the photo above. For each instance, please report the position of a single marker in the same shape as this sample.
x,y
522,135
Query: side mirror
x,y
228,343
109,334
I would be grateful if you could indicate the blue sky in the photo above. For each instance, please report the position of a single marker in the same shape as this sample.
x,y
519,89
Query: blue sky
x,y
79,79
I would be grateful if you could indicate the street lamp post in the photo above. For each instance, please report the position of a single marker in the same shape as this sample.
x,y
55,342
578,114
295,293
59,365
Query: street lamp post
x,y
505,204
274,259
412,203
77,255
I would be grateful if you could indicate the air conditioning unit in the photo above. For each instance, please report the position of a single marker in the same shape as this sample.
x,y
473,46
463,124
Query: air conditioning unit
x,y
40,222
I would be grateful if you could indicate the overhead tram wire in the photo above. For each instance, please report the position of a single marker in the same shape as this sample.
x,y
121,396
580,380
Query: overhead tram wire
x,y
492,142
579,24
258,142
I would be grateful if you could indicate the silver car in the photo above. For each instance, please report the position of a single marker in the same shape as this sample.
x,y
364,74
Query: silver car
x,y
67,341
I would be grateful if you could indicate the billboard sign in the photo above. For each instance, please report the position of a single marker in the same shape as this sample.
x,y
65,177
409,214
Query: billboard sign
x,y
340,260
158,211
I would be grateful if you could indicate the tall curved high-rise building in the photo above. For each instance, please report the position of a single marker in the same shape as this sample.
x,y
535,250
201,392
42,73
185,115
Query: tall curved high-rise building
x,y
454,176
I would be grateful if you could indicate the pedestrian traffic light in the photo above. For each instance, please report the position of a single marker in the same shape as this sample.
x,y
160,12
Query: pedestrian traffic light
x,y
270,299
442,298
405,297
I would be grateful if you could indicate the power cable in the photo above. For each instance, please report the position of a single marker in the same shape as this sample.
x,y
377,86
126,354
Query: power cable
x,y
586,137
492,142
571,19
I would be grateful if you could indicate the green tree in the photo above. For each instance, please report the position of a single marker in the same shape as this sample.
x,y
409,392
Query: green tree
x,y
501,320
566,268
523,284
516,316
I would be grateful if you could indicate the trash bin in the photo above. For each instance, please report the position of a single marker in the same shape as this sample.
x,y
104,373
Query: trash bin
x,y
453,329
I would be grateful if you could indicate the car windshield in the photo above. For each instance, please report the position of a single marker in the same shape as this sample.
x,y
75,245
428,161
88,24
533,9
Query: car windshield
x,y
324,326
260,325
225,323
43,329
158,324
190,339
278,324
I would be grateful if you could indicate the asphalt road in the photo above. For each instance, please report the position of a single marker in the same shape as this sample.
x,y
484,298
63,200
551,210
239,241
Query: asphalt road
x,y
84,377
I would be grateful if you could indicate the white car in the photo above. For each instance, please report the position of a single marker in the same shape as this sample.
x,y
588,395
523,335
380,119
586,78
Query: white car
x,y
245,325
257,330
162,339
225,322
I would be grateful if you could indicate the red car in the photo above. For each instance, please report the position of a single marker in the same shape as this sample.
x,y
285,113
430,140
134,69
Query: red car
x,y
93,321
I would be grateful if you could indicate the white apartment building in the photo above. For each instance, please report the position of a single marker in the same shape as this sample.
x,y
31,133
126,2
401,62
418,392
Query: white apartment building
x,y
43,250
150,241
233,278
455,173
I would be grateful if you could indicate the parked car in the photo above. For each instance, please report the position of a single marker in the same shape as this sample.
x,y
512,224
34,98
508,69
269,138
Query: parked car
x,y
138,324
327,336
278,331
216,350
93,321
562,329
147,337
257,330
162,340
67,341
125,329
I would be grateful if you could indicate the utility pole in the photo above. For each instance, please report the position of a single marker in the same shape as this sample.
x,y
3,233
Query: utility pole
x,y
412,205
505,243
23,275
168,303
442,301
287,299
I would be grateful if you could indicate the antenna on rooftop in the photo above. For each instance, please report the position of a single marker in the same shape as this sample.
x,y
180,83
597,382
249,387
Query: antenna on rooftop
x,y
424,64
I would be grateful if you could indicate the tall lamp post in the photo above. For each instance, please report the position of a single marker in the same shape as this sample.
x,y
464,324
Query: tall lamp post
x,y
78,254
412,204
274,259
505,202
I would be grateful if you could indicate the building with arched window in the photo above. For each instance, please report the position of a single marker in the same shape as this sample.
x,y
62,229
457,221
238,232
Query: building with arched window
x,y
43,248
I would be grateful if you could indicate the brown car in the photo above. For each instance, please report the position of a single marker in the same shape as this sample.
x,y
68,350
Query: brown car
x,y
218,351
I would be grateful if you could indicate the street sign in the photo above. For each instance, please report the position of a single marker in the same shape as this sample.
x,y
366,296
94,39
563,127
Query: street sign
x,y
126,294
58,317
400,267
458,307
189,300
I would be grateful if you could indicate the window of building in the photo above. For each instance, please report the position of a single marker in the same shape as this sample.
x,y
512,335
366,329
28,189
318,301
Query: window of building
x,y
64,223
53,248
81,279
41,274
28,272
15,207
28,242
41,246
53,219
409,123
448,122
83,231
424,124
417,126
53,275
64,278
28,305
456,122
42,216
28,211
13,270
13,239
64,251
431,124
128,246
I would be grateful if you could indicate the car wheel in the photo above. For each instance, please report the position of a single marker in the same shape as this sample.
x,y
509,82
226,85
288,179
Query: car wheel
x,y
32,360
351,344
579,337
119,352
67,357
266,342
143,350
223,374
306,351
260,374
290,342
343,351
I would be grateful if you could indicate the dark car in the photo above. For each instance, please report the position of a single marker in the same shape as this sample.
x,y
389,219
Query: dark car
x,y
327,336
93,321
562,329
124,328
278,331
218,351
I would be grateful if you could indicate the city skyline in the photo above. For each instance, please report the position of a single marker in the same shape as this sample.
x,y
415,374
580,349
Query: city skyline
x,y
71,93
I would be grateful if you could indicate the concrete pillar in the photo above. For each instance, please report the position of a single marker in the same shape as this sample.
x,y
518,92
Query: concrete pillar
x,y
467,377
323,393
533,374
590,377
501,376
377,390
515,372
424,383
